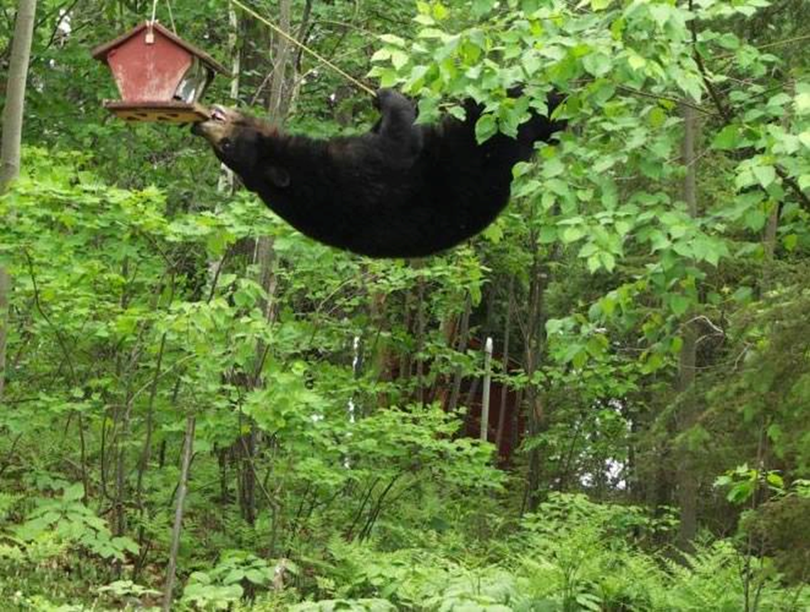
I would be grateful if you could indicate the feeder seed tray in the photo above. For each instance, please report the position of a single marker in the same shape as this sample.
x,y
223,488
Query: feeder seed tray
x,y
163,112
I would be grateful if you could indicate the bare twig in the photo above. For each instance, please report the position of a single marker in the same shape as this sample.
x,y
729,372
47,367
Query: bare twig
x,y
777,43
9,454
724,111
59,339
645,94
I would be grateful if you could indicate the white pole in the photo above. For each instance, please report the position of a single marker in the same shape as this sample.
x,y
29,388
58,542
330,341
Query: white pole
x,y
485,398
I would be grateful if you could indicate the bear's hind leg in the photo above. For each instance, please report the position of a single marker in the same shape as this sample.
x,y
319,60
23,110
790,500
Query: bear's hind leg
x,y
396,126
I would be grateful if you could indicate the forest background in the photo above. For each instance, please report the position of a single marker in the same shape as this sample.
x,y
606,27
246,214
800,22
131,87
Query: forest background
x,y
202,409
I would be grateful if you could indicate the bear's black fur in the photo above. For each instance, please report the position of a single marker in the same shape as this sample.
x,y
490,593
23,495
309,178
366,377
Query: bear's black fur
x,y
401,190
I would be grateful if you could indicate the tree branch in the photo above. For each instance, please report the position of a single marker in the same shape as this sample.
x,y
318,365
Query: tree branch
x,y
644,94
728,114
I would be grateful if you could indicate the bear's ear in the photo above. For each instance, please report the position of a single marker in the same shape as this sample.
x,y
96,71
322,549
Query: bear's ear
x,y
278,176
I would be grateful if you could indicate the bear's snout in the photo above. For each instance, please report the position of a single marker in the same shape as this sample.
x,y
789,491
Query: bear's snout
x,y
218,126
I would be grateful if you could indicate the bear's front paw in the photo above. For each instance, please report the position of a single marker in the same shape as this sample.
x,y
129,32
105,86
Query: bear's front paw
x,y
384,97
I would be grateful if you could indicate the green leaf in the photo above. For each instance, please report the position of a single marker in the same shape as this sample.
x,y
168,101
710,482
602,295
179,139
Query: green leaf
x,y
635,61
802,103
493,233
439,11
482,7
257,577
234,576
775,480
381,55
740,492
391,39
388,76
765,175
755,219
728,41
657,117
597,64
485,128
579,359
554,326
727,139
608,261
572,234
74,492
531,62
399,59
660,13
548,234
125,543
588,249
679,304
743,295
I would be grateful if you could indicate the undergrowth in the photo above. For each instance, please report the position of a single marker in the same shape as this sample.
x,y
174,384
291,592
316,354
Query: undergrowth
x,y
572,554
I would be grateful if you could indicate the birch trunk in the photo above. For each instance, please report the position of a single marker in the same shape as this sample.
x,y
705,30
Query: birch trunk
x,y
225,184
11,142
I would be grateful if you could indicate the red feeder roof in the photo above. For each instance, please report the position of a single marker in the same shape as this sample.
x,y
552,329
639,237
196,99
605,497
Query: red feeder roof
x,y
151,72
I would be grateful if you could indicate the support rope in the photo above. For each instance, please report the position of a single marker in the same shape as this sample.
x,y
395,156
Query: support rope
x,y
171,16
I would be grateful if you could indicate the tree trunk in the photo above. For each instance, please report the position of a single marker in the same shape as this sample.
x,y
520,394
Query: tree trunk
x,y
277,105
246,446
463,338
407,324
420,342
504,387
225,184
265,258
769,235
5,289
533,329
11,142
15,92
182,488
687,412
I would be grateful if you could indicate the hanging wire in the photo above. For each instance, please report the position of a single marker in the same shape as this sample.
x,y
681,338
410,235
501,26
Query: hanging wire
x,y
171,15
303,47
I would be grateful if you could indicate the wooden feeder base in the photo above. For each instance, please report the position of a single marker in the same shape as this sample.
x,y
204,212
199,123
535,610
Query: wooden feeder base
x,y
163,112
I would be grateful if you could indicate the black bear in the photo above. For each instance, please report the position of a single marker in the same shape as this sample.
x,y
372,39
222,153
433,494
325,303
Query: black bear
x,y
401,190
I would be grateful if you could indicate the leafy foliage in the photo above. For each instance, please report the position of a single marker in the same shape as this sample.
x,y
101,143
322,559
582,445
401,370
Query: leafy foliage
x,y
335,398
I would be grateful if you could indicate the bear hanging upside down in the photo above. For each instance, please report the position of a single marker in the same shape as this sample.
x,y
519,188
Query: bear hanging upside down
x,y
401,190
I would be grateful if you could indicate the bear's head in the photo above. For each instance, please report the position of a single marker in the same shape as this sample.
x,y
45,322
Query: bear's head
x,y
240,141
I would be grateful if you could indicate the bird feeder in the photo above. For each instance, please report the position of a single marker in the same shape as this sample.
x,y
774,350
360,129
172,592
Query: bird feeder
x,y
160,77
